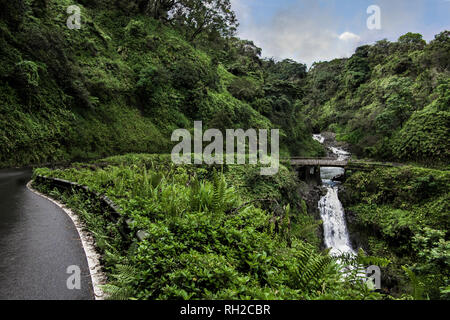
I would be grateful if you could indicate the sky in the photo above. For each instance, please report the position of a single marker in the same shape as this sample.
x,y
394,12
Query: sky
x,y
321,30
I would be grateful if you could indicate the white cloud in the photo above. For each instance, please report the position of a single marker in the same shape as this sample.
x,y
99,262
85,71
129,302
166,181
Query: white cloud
x,y
348,36
308,31
294,32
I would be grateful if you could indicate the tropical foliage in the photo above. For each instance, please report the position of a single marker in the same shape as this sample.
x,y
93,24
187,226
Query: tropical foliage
x,y
402,214
389,100
137,70
202,240
134,72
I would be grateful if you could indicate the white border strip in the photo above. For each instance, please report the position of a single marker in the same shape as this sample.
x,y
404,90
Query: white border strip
x,y
98,277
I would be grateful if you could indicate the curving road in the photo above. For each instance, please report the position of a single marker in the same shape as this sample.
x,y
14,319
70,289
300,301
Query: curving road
x,y
38,241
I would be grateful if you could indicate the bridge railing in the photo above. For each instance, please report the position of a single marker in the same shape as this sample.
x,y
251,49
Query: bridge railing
x,y
306,158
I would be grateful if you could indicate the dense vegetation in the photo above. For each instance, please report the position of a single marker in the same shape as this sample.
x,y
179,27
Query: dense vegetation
x,y
389,100
130,76
204,240
138,69
403,214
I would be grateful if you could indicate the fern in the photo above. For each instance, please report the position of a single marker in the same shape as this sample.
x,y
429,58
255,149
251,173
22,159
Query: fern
x,y
121,288
115,292
286,223
417,285
194,195
366,260
310,268
219,186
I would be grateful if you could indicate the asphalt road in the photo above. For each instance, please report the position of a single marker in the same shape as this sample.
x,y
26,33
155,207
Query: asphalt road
x,y
38,241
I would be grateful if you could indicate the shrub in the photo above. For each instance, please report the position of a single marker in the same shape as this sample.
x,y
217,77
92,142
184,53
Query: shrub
x,y
424,137
244,89
136,29
26,73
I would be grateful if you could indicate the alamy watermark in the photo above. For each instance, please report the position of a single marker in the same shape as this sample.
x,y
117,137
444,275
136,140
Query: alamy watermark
x,y
374,20
73,282
74,20
213,153
373,277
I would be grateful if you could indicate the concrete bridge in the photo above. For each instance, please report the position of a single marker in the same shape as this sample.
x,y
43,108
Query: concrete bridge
x,y
322,162
309,168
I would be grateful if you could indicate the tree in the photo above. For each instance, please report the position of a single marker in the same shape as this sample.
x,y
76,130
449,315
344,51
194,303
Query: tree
x,y
248,48
287,70
160,9
411,42
206,16
13,12
198,16
380,51
357,70
398,104
424,137
439,50
240,56
244,89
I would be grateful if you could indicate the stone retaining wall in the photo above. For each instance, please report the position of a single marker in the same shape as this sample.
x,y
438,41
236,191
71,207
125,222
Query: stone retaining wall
x,y
106,203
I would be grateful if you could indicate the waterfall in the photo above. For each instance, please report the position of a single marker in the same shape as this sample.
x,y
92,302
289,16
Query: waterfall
x,y
335,229
336,236
318,138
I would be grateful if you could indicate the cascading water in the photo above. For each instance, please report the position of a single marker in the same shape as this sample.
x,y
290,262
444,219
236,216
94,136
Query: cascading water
x,y
336,236
319,138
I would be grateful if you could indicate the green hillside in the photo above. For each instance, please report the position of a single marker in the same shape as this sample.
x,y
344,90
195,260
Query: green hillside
x,y
390,100
125,80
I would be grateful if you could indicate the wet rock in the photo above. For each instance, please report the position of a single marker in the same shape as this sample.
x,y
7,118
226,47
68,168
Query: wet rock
x,y
357,235
330,141
339,178
311,194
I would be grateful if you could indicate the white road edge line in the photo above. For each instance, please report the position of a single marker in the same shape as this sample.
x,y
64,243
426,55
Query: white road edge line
x,y
98,277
